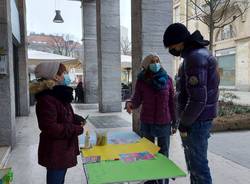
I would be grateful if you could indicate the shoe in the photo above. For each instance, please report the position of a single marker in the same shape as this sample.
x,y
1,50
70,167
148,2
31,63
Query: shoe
x,y
150,182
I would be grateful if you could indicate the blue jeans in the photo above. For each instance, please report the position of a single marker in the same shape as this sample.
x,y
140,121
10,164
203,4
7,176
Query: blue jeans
x,y
195,149
162,132
56,176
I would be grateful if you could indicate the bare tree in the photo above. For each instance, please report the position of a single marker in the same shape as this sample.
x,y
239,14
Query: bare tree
x,y
216,14
125,46
63,45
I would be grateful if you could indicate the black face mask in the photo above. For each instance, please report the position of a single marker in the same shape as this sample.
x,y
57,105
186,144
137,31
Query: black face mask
x,y
175,52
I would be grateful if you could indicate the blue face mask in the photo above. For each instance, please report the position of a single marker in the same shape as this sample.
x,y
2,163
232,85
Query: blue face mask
x,y
66,80
155,67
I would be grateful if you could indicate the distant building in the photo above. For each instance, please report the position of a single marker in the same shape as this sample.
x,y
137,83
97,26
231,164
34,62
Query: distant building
x,y
231,45
55,44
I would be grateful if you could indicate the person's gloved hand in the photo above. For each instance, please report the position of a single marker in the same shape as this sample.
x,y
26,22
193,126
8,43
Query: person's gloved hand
x,y
174,127
79,129
80,120
183,130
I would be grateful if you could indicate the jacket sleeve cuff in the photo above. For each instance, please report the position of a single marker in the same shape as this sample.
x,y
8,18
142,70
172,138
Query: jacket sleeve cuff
x,y
183,128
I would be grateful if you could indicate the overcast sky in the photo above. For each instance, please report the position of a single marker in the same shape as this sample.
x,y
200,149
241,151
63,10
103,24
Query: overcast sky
x,y
40,14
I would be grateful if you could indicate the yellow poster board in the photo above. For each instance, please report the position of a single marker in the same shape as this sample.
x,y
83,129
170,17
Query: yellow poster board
x,y
112,151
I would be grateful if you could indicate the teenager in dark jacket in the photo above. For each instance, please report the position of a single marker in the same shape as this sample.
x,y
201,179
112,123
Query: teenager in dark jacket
x,y
154,92
197,96
60,127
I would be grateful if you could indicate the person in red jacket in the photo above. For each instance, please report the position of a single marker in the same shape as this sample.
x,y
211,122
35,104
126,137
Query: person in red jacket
x,y
154,92
60,127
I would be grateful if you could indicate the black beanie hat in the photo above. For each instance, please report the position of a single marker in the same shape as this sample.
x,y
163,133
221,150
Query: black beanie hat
x,y
175,33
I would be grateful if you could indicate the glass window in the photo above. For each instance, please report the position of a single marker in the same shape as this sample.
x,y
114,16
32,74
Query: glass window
x,y
177,14
227,32
227,70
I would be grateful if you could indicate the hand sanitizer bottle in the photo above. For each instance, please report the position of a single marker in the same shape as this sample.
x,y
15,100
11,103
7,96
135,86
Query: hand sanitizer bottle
x,y
87,140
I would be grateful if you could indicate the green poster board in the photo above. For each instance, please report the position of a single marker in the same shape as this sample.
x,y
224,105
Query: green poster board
x,y
119,171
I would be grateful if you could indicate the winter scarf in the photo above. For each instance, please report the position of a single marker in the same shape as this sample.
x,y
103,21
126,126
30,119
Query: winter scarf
x,y
157,81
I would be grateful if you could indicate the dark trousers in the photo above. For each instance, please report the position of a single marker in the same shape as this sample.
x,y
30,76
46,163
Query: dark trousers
x,y
56,176
163,142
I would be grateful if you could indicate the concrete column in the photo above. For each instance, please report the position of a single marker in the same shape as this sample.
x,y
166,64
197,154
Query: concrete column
x,y
242,67
149,21
109,58
22,64
7,96
90,51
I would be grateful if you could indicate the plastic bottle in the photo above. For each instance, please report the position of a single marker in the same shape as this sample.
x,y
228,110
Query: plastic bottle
x,y
87,140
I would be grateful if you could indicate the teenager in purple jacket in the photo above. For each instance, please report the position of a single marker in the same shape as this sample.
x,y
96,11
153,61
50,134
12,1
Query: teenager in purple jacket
x,y
154,92
197,89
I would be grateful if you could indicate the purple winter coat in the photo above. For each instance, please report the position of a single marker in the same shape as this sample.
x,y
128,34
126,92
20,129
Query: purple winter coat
x,y
197,86
157,105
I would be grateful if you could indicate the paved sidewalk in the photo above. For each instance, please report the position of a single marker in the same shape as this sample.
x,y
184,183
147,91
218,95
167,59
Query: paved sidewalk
x,y
244,97
23,158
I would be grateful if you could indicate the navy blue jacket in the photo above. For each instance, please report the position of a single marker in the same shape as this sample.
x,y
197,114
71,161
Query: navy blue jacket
x,y
197,86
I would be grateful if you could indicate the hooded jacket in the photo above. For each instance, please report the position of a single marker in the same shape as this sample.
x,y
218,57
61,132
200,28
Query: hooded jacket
x,y
58,145
197,82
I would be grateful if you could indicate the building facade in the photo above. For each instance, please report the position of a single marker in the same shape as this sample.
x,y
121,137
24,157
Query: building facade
x,y
231,43
14,93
